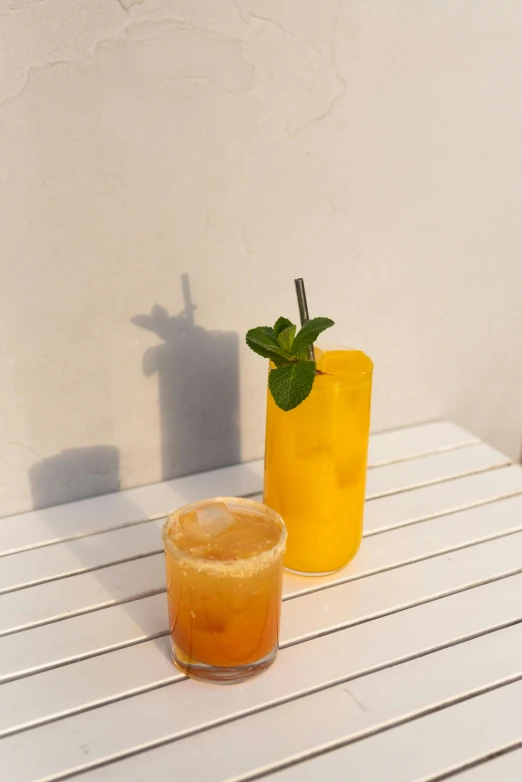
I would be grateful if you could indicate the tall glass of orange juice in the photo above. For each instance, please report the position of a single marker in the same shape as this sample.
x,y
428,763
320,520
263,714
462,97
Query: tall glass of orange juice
x,y
224,561
315,463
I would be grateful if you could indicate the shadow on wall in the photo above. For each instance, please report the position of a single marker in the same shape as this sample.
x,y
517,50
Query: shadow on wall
x,y
198,377
74,474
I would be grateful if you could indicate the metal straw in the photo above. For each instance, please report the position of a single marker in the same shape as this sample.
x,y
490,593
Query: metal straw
x,y
303,310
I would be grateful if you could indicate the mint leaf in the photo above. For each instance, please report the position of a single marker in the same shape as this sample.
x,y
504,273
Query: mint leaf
x,y
286,338
280,324
309,333
290,385
292,378
263,342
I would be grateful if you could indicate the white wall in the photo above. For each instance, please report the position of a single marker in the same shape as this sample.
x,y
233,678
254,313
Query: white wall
x,y
372,146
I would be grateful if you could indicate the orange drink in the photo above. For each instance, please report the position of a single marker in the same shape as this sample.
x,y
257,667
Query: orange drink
x,y
315,463
224,561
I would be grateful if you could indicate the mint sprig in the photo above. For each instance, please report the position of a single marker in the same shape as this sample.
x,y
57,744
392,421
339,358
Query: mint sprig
x,y
293,375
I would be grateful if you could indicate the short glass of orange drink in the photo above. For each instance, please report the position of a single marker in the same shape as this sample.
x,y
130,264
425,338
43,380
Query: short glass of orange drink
x,y
224,562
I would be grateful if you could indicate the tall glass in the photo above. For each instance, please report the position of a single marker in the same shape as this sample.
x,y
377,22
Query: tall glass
x,y
315,463
224,591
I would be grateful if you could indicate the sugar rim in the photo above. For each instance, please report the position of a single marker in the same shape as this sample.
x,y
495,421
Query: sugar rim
x,y
226,565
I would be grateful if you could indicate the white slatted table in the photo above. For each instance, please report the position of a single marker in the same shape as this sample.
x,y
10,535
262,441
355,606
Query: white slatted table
x,y
405,666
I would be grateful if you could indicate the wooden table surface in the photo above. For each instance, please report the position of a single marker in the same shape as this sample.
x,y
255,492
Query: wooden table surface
x,y
405,666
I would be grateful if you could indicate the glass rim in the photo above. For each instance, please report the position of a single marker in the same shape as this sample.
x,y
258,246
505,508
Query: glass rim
x,y
365,374
225,564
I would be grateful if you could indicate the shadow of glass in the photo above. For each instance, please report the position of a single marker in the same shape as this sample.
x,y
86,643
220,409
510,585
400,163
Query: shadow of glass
x,y
198,378
74,474
86,473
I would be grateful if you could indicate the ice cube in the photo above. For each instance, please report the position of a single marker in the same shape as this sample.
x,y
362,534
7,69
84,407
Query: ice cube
x,y
206,523
214,519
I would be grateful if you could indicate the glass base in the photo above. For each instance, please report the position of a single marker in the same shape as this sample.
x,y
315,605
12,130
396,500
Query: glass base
x,y
223,675
314,573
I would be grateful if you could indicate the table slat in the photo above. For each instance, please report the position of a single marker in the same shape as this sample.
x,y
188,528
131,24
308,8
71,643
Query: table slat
x,y
87,553
412,441
432,469
98,514
504,768
425,748
109,584
351,709
427,502
403,545
47,563
81,636
341,606
147,665
427,616
352,602
94,590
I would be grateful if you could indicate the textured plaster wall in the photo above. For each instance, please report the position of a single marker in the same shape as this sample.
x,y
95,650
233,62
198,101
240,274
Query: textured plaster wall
x,y
161,155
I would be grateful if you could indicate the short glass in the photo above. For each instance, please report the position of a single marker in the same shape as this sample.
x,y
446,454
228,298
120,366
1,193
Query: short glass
x,y
224,613
315,463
